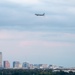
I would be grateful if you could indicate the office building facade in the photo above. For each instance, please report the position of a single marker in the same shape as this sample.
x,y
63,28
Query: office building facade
x,y
6,64
0,59
25,65
16,64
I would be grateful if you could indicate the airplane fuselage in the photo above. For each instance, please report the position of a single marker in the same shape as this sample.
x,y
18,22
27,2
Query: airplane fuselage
x,y
40,14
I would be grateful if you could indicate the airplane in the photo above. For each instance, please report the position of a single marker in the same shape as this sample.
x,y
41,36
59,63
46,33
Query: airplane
x,y
40,14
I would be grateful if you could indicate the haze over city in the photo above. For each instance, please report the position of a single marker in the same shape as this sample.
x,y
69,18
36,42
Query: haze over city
x,y
48,39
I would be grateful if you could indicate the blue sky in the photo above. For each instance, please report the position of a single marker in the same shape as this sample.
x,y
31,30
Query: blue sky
x,y
49,39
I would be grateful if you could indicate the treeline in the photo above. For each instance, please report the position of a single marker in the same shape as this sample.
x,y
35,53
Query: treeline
x,y
33,72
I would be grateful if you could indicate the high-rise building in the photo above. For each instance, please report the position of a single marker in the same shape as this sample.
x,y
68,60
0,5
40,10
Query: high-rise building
x,y
0,59
6,64
16,64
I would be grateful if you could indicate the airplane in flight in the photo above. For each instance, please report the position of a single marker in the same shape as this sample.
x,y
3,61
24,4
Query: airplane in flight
x,y
40,14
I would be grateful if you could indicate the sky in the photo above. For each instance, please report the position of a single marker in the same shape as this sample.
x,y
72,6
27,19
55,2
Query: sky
x,y
48,39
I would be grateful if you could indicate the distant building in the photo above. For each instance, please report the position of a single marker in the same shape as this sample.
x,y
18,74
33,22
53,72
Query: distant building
x,y
36,66
0,59
6,64
31,66
40,66
53,67
20,65
16,64
26,65
43,66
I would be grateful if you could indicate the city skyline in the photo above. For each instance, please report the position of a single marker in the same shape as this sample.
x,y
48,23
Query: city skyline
x,y
26,65
48,39
5,64
16,64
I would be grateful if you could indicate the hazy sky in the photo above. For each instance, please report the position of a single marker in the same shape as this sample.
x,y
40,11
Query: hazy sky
x,y
49,39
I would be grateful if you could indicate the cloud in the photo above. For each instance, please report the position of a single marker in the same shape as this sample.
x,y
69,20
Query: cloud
x,y
45,44
24,1
31,38
35,35
21,12
64,2
24,34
